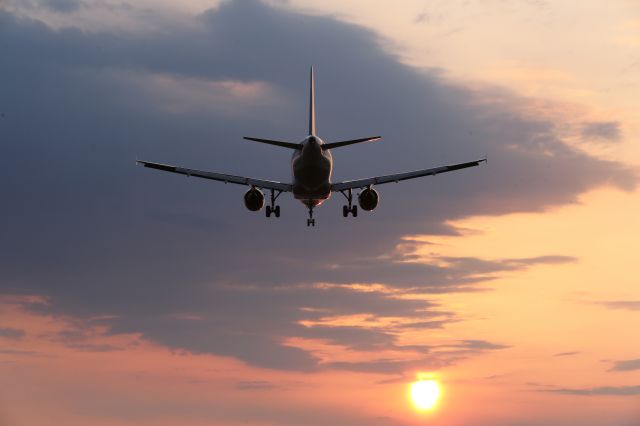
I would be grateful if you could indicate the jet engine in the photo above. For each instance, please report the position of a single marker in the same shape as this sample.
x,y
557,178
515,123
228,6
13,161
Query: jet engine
x,y
254,199
368,199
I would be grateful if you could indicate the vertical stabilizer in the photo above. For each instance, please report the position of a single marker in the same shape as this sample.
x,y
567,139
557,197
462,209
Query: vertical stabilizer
x,y
312,109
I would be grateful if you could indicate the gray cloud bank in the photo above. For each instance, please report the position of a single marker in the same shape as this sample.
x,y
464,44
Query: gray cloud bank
x,y
629,305
626,365
602,390
11,333
603,131
84,226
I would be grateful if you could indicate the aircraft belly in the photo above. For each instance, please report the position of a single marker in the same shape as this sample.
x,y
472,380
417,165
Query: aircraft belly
x,y
302,191
311,178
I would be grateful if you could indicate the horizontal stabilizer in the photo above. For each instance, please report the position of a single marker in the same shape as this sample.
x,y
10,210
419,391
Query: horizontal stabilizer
x,y
350,142
289,145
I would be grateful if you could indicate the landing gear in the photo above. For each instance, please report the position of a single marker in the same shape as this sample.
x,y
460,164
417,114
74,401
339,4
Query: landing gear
x,y
350,208
353,210
311,221
273,208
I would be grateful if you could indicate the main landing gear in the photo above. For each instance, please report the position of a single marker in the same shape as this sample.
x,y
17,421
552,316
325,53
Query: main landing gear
x,y
311,221
350,208
273,208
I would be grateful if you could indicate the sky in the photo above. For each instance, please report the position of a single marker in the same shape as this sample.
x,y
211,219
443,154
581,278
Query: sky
x,y
129,296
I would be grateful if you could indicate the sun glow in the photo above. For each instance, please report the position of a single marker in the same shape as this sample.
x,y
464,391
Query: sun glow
x,y
425,394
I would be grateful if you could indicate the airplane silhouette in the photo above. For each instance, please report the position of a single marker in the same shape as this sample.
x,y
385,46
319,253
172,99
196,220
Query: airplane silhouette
x,y
311,167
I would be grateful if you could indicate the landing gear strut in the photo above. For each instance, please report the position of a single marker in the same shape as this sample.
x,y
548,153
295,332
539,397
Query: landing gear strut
x,y
311,221
350,208
273,208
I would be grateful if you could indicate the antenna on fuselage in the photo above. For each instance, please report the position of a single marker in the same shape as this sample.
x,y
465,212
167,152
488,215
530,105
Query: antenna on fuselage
x,y
312,110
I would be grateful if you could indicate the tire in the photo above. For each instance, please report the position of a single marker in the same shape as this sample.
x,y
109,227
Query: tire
x,y
277,211
268,211
345,211
354,211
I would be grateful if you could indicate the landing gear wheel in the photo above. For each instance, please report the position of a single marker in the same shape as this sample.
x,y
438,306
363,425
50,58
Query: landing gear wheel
x,y
350,208
273,208
311,221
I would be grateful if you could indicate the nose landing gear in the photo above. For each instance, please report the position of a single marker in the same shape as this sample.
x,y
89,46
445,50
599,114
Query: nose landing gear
x,y
311,221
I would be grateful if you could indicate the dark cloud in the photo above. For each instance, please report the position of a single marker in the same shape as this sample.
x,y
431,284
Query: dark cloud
x,y
425,324
18,352
12,333
603,390
607,131
480,345
629,305
99,236
421,18
571,353
63,6
255,385
626,365
353,337
439,357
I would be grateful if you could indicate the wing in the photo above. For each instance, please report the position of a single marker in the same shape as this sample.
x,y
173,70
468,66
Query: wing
x,y
360,183
240,180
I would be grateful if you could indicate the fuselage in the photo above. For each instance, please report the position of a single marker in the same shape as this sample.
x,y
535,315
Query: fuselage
x,y
311,172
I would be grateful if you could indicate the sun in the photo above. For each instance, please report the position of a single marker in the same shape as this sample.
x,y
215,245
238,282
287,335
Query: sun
x,y
425,394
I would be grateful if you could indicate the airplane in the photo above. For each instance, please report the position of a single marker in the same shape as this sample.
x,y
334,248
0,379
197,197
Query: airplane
x,y
311,167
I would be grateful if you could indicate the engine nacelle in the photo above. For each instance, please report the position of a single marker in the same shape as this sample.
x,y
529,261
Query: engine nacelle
x,y
254,199
368,199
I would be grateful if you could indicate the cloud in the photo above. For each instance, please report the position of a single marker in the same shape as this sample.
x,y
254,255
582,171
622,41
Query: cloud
x,y
480,345
603,390
18,352
629,305
626,365
421,18
601,131
11,333
571,353
139,246
255,385
437,357
62,6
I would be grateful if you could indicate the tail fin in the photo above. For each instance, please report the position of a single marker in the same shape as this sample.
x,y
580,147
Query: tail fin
x,y
332,145
312,109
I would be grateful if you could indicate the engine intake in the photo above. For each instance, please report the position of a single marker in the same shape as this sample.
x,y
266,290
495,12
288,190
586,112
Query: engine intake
x,y
254,199
368,199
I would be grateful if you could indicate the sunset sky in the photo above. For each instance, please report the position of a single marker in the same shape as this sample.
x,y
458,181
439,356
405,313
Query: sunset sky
x,y
132,297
